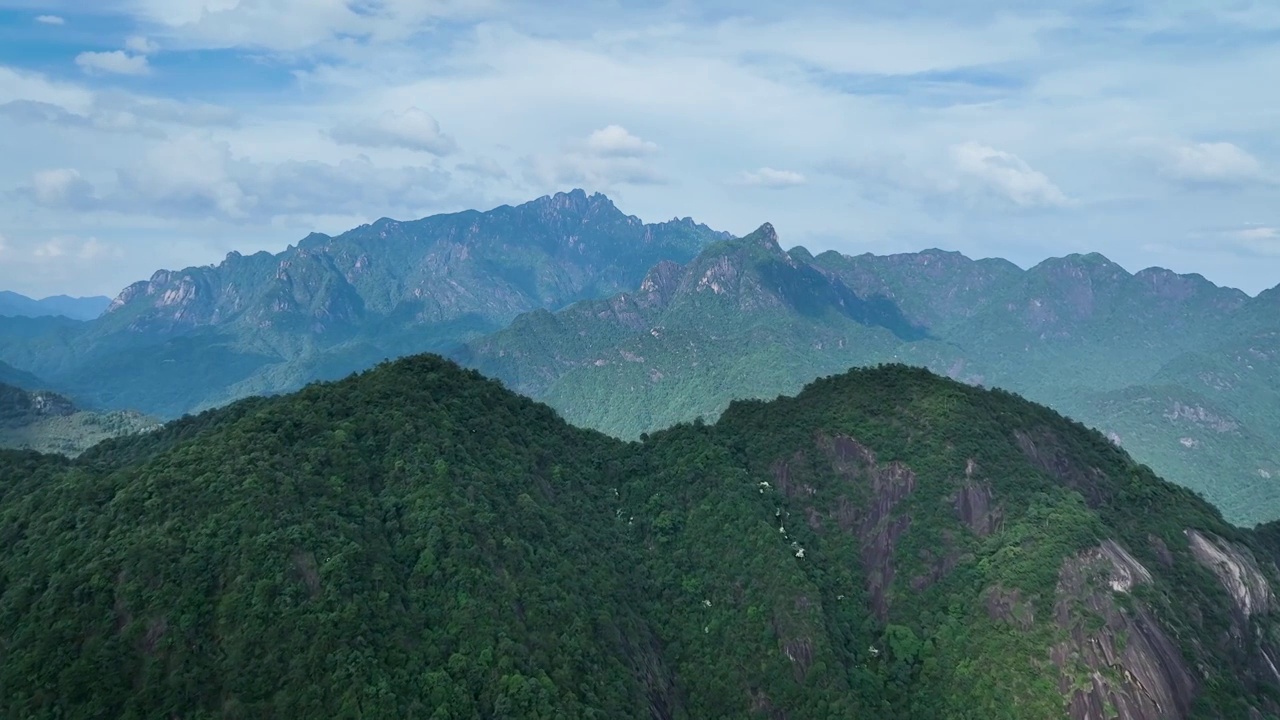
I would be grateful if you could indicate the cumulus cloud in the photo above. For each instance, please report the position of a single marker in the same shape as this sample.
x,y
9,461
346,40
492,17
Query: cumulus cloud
x,y
616,141
64,247
606,158
484,167
197,177
34,111
50,20
1006,175
118,113
61,188
1213,162
771,178
1254,239
49,250
140,45
296,25
412,129
116,62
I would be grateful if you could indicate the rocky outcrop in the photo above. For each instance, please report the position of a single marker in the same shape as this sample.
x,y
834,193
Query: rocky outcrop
x,y
974,506
874,521
1047,453
1124,667
1237,570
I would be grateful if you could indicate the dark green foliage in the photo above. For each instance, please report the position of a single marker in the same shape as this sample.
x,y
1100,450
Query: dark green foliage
x,y
1150,358
416,541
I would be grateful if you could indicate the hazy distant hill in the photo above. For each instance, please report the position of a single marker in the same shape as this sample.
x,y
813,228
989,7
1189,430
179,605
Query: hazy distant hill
x,y
49,422
76,308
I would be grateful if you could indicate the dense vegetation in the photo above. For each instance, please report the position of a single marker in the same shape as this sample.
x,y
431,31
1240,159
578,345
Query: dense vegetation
x,y
417,541
1179,371
49,422
258,324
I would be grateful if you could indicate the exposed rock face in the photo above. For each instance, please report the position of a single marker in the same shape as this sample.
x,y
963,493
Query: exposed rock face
x,y
876,524
973,504
1009,605
1128,669
1236,569
1046,452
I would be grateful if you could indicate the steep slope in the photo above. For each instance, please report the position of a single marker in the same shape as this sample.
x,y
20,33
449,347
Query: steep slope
x,y
1078,333
9,375
265,323
417,541
76,308
934,289
49,422
1082,323
744,319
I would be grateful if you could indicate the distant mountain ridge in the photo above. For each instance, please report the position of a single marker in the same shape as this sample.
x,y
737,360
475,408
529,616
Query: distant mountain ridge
x,y
263,323
76,308
48,422
1126,352
627,327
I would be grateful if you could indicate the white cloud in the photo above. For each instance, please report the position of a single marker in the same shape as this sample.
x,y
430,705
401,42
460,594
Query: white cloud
x,y
197,177
484,167
4,246
771,178
587,171
1036,102
61,188
117,62
63,248
140,45
1261,240
615,141
293,26
605,159
1213,162
411,129
116,113
1007,175
50,20
49,250
93,249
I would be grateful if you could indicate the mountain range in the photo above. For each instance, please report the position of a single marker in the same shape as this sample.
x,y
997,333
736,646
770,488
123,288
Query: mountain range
x,y
418,541
76,308
1172,367
628,327
262,323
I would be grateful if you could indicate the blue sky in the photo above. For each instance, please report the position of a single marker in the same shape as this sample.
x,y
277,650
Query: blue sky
x,y
140,134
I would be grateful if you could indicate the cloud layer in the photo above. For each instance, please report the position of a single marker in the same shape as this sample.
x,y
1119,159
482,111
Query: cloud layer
x,y
186,128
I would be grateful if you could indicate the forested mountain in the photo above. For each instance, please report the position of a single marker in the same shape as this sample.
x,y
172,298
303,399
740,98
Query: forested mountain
x,y
49,422
1178,370
417,541
9,375
76,308
264,323
627,328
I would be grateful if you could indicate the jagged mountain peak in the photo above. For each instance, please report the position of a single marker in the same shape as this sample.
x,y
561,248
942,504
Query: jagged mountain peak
x,y
765,233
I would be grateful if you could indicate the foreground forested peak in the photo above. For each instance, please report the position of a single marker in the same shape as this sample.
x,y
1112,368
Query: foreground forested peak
x,y
416,541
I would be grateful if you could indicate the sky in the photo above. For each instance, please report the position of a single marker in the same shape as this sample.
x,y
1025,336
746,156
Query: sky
x,y
146,134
